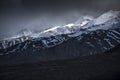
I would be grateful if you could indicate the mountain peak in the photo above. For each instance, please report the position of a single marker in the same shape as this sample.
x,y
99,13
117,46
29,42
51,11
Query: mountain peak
x,y
106,17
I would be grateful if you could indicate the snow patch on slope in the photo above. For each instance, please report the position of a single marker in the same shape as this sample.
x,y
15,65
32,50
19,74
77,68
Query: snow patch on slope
x,y
106,17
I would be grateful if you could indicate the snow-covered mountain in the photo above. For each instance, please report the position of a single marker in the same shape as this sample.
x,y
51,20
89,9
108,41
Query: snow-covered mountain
x,y
26,34
105,21
86,36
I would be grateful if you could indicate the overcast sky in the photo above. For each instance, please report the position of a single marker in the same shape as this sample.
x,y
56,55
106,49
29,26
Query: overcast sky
x,y
16,15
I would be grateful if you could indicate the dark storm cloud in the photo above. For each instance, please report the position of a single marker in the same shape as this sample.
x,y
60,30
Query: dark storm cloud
x,y
63,4
41,14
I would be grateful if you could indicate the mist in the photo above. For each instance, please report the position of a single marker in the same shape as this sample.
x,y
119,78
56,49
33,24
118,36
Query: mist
x,y
16,15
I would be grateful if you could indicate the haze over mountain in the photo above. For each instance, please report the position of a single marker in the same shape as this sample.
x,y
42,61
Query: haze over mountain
x,y
16,15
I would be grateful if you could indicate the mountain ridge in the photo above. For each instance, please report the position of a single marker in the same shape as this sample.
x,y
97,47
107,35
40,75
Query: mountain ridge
x,y
84,41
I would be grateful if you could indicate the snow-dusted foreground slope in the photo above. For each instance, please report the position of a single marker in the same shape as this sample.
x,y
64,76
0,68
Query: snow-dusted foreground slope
x,y
90,36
